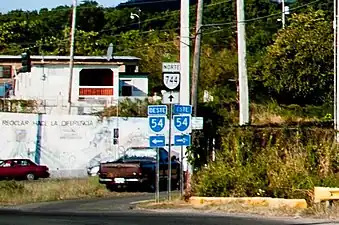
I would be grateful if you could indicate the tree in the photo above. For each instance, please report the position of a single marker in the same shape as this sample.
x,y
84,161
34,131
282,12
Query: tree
x,y
86,43
218,74
153,49
297,68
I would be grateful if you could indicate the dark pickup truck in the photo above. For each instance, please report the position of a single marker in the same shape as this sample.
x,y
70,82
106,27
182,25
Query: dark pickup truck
x,y
137,169
22,169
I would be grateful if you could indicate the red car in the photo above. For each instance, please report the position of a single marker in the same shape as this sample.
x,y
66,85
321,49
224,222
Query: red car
x,y
22,169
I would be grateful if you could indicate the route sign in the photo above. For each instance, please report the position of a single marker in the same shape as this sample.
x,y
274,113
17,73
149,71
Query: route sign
x,y
156,123
182,124
157,141
170,98
156,110
182,109
170,67
171,80
182,140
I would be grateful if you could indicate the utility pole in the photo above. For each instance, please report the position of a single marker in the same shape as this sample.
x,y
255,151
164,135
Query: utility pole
x,y
283,21
335,63
242,66
71,56
184,52
336,80
185,67
196,60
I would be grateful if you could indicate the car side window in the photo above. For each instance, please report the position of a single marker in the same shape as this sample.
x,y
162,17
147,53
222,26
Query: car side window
x,y
24,163
14,163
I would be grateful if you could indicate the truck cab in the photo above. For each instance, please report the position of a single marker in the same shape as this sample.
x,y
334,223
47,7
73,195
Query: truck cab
x,y
137,168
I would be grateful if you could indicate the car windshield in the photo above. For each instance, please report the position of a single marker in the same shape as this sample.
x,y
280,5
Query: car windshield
x,y
139,154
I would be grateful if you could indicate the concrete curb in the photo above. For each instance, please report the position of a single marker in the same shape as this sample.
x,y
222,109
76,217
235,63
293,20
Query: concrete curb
x,y
254,201
142,201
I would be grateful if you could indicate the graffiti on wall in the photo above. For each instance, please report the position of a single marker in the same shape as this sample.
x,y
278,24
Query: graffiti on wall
x,y
68,142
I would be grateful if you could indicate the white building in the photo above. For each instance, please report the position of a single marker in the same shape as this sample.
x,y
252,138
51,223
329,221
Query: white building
x,y
96,82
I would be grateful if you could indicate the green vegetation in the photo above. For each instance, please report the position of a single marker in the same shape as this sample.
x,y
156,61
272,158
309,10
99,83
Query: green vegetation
x,y
271,162
17,192
292,66
289,147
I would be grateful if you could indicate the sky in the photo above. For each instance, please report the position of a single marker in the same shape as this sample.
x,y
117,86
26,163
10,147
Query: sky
x,y
8,5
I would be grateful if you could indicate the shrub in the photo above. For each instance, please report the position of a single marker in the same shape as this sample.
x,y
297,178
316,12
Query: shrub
x,y
11,187
270,162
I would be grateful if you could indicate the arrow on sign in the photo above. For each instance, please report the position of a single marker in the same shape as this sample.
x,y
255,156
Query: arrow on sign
x,y
156,141
182,140
171,98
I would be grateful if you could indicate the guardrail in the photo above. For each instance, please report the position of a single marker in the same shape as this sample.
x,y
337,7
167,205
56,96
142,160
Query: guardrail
x,y
326,194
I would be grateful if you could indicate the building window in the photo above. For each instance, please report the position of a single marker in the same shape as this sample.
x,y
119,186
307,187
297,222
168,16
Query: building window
x,y
126,91
5,71
96,77
130,68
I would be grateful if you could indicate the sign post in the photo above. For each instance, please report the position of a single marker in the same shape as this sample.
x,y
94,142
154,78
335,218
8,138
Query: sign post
x,y
171,81
182,129
156,123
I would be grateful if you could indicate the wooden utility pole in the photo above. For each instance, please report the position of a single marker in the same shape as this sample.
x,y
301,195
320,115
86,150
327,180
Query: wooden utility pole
x,y
196,59
336,63
194,77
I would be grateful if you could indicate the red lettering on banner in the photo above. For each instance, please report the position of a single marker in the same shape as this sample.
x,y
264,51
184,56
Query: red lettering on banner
x,y
96,91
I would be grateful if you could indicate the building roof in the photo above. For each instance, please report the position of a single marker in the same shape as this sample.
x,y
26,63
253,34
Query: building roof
x,y
76,58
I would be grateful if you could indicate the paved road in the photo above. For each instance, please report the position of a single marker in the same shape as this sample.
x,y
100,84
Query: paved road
x,y
117,211
114,204
127,218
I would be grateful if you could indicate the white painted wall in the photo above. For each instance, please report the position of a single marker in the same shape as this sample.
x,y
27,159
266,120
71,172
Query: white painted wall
x,y
69,144
54,89
140,85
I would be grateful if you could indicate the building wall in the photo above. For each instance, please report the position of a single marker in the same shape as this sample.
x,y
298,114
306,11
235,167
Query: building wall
x,y
138,83
51,82
68,144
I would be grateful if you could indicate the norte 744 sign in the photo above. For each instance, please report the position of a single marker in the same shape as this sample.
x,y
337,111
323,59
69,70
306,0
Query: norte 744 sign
x,y
171,80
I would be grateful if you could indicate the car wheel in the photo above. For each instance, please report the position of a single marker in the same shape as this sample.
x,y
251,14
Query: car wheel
x,y
30,176
111,188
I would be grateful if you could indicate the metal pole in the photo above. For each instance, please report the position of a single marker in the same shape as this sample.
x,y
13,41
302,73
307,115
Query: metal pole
x,y
242,66
196,60
139,24
337,80
157,185
181,171
118,122
335,20
169,178
71,57
283,14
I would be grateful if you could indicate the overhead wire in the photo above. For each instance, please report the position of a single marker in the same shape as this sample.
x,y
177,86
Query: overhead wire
x,y
178,28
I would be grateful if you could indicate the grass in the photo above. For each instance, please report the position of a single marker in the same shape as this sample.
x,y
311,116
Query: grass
x,y
23,192
274,113
318,211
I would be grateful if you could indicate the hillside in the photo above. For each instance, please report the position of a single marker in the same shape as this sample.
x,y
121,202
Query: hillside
x,y
290,66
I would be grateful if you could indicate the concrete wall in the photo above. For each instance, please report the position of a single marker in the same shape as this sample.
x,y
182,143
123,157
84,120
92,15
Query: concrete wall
x,y
68,144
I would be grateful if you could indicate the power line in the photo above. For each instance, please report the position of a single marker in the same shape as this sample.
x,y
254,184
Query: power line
x,y
178,28
163,16
261,17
